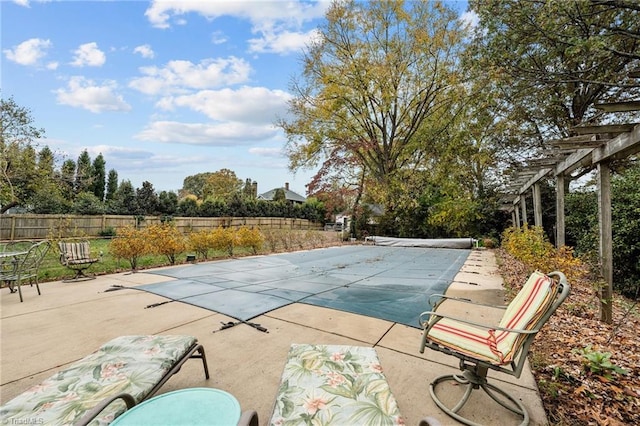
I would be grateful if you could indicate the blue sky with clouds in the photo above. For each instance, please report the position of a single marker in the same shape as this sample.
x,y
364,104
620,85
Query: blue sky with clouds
x,y
163,89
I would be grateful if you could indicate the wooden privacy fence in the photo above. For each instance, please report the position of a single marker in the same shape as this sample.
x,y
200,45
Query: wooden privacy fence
x,y
40,226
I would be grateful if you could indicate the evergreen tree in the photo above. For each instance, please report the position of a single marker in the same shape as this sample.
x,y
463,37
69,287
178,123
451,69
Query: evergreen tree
x,y
112,184
98,177
83,173
67,178
124,201
88,204
168,202
147,199
45,163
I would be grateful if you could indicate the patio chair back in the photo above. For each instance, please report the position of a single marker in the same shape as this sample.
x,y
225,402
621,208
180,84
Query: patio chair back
x,y
30,265
27,266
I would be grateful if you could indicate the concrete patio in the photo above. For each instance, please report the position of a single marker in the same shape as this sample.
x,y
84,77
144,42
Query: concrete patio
x,y
70,320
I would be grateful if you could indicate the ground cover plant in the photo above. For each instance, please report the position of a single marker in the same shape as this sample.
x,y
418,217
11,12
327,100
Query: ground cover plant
x,y
588,372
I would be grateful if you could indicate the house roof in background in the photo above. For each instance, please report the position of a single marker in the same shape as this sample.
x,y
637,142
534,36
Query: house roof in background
x,y
290,195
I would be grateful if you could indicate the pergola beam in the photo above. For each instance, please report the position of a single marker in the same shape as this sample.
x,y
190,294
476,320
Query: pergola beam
x,y
607,128
620,147
536,177
574,161
625,106
579,145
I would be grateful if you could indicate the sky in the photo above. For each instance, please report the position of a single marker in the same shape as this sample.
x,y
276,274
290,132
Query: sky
x,y
163,89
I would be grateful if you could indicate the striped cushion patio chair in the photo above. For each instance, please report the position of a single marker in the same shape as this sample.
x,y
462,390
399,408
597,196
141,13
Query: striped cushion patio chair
x,y
77,256
501,347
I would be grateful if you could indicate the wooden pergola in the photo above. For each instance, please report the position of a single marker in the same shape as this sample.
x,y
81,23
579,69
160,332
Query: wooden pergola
x,y
592,147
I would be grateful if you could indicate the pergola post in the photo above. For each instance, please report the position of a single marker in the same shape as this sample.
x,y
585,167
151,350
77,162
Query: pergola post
x,y
537,205
606,240
523,208
516,209
560,218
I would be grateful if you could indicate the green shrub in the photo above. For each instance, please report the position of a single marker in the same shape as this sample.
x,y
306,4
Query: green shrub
x,y
108,232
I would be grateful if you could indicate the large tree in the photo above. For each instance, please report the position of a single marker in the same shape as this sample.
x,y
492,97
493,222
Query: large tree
x,y
222,185
378,73
17,154
551,61
194,185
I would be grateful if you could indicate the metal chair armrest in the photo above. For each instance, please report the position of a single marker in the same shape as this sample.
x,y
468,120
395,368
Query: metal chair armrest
x,y
248,418
94,412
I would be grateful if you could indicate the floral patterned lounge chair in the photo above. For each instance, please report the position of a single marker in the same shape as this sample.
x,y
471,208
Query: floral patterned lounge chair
x,y
101,386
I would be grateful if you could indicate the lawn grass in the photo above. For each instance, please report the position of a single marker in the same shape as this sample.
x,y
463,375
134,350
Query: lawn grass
x,y
52,270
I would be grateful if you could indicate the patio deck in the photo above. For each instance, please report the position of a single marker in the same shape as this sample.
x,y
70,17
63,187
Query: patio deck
x,y
71,320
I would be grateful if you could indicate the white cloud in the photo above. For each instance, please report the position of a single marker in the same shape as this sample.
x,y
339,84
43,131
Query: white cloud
x,y
267,152
24,3
470,19
217,37
145,51
119,152
161,11
28,52
282,42
179,76
256,105
277,23
84,93
88,54
205,134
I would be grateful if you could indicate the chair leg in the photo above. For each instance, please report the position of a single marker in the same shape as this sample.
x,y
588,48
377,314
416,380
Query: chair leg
x,y
472,380
19,284
79,276
200,354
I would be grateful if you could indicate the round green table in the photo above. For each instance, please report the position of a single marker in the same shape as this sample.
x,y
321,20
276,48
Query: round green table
x,y
193,406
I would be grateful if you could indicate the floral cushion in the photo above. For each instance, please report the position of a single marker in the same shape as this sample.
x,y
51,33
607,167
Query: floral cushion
x,y
130,364
338,385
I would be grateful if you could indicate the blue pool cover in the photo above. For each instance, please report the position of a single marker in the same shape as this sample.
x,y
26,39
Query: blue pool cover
x,y
390,283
